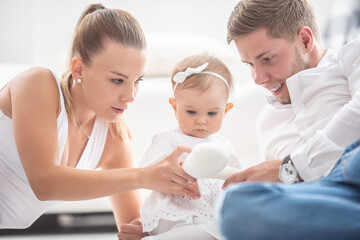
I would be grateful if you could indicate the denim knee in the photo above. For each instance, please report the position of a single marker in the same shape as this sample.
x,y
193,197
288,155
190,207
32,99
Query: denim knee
x,y
347,169
352,168
241,212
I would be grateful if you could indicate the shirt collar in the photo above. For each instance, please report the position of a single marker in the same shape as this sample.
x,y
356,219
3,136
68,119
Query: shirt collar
x,y
329,56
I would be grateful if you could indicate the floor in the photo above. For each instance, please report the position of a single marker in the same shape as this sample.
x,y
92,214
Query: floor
x,y
98,236
99,226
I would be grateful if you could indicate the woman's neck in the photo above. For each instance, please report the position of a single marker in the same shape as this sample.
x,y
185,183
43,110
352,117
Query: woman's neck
x,y
82,113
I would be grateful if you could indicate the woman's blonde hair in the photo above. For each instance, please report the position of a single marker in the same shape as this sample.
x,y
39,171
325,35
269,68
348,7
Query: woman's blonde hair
x,y
281,18
202,81
95,25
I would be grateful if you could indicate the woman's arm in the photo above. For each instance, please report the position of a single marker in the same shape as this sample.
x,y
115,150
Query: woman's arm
x,y
34,109
118,154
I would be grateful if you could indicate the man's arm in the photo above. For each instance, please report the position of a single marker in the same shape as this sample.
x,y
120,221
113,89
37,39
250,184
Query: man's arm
x,y
317,157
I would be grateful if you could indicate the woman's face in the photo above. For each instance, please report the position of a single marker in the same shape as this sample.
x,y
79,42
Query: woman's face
x,y
111,80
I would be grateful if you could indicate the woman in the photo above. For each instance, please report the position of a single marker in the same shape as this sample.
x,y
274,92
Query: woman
x,y
53,135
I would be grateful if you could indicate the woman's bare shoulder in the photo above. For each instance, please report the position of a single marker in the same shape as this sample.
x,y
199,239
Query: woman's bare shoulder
x,y
37,85
33,76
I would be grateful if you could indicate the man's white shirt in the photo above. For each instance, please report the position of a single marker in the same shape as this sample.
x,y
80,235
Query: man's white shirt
x,y
322,119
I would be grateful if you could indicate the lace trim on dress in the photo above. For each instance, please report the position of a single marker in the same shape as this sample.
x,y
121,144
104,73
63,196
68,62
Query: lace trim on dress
x,y
173,208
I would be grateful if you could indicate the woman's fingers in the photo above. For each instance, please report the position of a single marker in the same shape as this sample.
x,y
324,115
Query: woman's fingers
x,y
193,188
179,171
179,150
179,180
174,160
167,176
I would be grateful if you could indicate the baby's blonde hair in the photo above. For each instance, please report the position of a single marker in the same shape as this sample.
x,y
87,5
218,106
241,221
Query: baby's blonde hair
x,y
202,81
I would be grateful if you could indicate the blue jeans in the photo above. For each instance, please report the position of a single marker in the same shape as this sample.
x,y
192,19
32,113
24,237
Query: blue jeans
x,y
325,209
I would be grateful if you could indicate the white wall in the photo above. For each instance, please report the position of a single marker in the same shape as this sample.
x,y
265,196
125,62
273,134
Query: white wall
x,y
38,32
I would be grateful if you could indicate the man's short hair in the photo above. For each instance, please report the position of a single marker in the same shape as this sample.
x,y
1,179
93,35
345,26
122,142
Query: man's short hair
x,y
281,18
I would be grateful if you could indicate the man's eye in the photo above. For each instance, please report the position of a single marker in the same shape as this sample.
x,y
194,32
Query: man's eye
x,y
117,81
191,112
268,59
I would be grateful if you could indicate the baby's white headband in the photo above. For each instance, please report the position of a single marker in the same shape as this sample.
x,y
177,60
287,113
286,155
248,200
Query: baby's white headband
x,y
180,77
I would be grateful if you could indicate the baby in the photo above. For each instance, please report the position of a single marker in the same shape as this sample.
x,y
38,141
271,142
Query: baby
x,y
201,86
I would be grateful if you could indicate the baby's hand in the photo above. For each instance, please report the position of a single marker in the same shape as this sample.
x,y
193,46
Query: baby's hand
x,y
131,231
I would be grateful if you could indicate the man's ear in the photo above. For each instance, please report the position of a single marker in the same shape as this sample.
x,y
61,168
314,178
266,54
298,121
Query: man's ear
x,y
306,37
228,107
172,102
76,68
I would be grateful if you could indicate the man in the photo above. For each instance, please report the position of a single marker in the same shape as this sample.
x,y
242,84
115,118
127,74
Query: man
x,y
312,115
314,108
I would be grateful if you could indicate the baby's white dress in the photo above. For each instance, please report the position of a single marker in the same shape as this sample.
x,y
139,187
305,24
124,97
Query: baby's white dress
x,y
167,216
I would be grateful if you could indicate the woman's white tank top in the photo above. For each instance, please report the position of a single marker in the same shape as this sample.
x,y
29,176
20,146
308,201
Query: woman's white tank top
x,y
19,207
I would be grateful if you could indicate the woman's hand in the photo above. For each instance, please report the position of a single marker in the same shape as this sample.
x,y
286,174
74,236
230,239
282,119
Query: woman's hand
x,y
131,231
192,190
167,176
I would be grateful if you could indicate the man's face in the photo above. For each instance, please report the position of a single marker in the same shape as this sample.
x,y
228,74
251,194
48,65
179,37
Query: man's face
x,y
272,61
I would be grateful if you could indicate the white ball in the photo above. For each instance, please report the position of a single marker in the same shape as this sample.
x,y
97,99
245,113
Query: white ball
x,y
205,160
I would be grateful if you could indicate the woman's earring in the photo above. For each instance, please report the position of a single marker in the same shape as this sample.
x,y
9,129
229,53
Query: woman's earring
x,y
79,80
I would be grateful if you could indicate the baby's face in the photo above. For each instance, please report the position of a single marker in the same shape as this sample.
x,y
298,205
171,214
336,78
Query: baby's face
x,y
201,114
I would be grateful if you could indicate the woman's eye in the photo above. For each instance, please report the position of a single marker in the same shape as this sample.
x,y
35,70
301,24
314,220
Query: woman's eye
x,y
191,112
249,64
212,113
117,81
139,81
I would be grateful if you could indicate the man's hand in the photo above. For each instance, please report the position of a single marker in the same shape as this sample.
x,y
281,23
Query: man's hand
x,y
267,171
131,231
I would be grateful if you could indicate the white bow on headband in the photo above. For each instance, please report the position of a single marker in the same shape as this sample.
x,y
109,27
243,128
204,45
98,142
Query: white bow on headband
x,y
180,77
